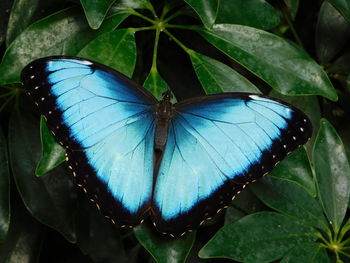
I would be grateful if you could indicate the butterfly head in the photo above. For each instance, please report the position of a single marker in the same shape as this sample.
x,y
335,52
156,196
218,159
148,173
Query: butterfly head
x,y
165,107
167,95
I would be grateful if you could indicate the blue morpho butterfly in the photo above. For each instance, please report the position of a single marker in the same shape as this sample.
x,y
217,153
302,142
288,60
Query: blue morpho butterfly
x,y
137,157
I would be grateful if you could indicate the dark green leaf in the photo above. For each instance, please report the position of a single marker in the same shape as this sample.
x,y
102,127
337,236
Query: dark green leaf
x,y
5,6
116,49
216,77
163,248
96,236
25,237
247,202
291,200
20,17
50,198
343,6
332,32
155,84
296,168
292,6
307,253
63,33
4,190
206,9
25,12
254,13
260,237
332,173
95,11
53,154
130,4
286,68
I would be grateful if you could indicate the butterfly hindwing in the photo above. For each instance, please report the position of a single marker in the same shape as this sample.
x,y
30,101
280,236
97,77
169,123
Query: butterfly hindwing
x,y
216,145
106,123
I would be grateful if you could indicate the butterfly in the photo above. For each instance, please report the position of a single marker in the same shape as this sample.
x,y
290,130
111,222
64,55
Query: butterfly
x,y
137,157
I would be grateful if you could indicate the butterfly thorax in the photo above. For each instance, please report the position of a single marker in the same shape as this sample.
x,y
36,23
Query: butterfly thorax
x,y
164,114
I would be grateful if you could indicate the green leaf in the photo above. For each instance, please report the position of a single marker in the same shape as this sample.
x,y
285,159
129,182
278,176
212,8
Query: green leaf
x,y
247,202
155,84
283,66
343,6
4,190
296,168
130,4
96,10
290,199
21,15
116,49
260,237
63,33
332,32
307,253
53,154
96,236
25,237
206,9
332,173
216,77
163,248
292,6
254,13
50,198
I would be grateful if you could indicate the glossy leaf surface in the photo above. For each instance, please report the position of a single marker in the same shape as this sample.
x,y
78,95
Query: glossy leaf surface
x,y
95,11
254,13
25,237
4,189
206,10
308,253
53,154
164,248
50,198
296,168
332,173
284,67
116,49
290,199
332,32
343,6
63,33
217,77
155,84
270,235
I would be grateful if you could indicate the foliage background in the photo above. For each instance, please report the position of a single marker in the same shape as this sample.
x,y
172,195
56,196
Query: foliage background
x,y
295,50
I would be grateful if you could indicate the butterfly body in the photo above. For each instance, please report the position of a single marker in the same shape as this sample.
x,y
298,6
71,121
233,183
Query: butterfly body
x,y
135,157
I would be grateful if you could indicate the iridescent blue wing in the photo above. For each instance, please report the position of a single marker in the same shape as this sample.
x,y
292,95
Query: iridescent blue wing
x,y
217,145
107,124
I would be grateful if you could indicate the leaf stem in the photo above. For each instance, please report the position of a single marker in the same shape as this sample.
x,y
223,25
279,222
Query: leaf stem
x,y
188,27
155,51
135,13
186,49
177,13
289,20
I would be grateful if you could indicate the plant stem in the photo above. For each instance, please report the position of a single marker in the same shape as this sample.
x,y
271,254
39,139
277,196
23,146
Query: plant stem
x,y
135,13
188,27
186,49
155,51
289,21
177,13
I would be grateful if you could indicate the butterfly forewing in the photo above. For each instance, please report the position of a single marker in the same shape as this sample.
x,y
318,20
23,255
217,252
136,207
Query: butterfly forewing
x,y
107,125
